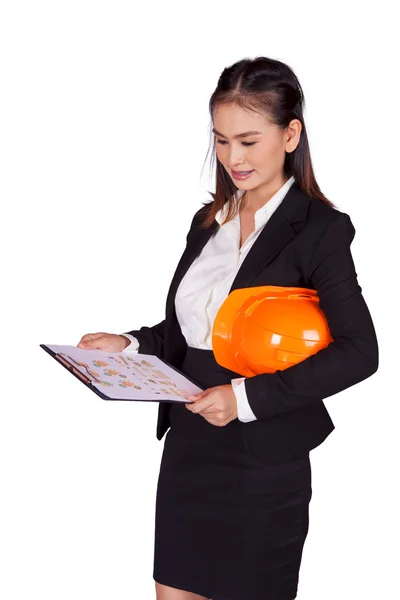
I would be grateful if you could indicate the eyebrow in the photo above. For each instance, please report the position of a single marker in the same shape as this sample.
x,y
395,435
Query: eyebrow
x,y
239,135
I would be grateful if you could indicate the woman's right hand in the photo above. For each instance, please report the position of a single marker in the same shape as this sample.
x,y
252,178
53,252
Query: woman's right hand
x,y
110,342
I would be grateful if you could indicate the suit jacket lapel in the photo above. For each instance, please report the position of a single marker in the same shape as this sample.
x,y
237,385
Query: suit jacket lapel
x,y
196,242
279,230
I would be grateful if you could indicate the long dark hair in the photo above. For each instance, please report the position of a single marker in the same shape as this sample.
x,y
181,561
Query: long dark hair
x,y
270,88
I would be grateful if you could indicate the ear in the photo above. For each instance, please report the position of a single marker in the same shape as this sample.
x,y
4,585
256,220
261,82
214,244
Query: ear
x,y
292,135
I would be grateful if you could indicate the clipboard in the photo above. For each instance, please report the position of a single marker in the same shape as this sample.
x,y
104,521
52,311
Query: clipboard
x,y
125,376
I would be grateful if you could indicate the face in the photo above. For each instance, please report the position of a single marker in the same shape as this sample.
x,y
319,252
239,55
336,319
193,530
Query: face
x,y
262,153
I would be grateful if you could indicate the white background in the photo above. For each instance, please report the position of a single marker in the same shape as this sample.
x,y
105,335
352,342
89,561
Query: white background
x,y
104,132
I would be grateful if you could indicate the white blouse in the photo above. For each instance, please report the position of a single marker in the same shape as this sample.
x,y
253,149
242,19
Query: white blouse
x,y
207,282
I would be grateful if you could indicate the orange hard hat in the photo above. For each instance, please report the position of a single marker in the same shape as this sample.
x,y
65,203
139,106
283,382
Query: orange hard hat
x,y
268,328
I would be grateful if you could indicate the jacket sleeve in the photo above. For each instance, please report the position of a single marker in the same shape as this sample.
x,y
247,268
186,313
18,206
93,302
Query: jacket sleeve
x,y
353,354
151,339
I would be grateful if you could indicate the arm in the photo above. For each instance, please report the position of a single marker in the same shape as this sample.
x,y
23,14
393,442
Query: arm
x,y
151,339
350,358
133,346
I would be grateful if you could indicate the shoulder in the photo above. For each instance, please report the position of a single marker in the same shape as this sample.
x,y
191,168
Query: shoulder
x,y
201,214
203,211
323,220
197,219
329,233
323,230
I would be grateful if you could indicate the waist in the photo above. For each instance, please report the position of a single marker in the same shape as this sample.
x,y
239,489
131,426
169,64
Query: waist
x,y
200,364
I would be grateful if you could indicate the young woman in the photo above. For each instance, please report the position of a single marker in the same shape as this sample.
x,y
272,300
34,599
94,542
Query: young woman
x,y
235,479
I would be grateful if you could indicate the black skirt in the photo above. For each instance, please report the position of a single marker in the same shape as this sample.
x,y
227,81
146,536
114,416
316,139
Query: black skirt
x,y
227,527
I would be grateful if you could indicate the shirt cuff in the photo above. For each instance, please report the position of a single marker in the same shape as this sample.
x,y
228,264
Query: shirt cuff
x,y
134,343
245,414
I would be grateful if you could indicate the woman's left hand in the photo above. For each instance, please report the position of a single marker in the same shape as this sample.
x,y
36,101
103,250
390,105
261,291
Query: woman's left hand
x,y
217,404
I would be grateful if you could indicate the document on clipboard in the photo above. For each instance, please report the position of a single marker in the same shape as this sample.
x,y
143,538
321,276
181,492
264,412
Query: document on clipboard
x,y
125,376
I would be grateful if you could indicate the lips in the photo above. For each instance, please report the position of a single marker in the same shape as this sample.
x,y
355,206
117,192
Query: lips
x,y
242,175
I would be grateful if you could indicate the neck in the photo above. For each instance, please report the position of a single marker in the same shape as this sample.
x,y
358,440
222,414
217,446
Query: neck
x,y
252,200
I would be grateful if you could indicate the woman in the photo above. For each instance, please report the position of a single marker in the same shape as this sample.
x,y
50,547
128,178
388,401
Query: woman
x,y
235,479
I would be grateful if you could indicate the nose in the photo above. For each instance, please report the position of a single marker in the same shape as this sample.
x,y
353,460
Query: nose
x,y
236,159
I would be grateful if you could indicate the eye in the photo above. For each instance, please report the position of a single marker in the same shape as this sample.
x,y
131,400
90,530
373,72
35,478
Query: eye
x,y
223,142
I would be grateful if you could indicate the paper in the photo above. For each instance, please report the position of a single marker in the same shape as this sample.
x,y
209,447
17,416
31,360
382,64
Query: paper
x,y
128,377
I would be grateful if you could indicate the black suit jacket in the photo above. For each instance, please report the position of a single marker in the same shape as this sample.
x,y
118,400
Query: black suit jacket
x,y
305,243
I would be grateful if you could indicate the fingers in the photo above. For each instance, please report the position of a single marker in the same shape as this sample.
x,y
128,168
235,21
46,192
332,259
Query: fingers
x,y
91,336
90,340
199,395
109,342
201,404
